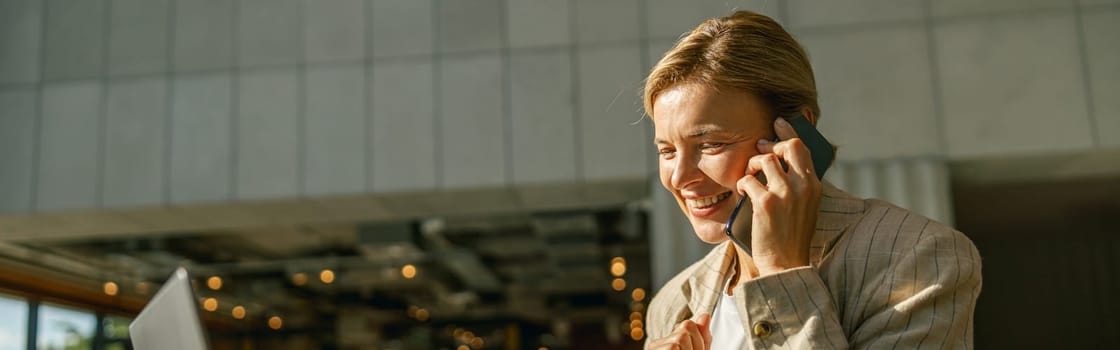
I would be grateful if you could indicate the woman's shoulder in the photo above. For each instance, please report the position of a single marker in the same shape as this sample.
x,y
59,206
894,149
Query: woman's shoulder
x,y
888,228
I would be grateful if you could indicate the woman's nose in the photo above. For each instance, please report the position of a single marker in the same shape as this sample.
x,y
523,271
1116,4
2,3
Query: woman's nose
x,y
685,171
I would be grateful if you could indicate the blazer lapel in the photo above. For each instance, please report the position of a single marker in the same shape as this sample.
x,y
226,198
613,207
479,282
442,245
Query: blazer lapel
x,y
707,280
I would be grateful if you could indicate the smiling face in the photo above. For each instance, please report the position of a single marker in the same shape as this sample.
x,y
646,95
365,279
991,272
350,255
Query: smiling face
x,y
704,139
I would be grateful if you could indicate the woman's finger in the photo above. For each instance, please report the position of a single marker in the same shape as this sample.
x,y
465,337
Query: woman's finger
x,y
769,165
784,129
797,157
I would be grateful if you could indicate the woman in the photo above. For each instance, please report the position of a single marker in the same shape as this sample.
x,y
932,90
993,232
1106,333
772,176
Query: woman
x,y
827,269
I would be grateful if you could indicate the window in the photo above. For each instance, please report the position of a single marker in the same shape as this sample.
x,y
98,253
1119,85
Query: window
x,y
13,323
115,331
65,329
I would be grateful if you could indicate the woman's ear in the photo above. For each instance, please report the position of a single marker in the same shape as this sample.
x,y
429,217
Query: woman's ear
x,y
808,113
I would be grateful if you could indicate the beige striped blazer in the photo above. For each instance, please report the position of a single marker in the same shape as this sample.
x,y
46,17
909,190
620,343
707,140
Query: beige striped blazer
x,y
880,277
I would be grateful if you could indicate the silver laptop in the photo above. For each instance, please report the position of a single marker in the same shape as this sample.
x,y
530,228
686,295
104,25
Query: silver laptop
x,y
170,320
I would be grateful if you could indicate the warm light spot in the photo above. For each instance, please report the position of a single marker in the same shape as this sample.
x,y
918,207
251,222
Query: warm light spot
x,y
458,332
210,304
635,316
110,288
618,284
635,324
299,279
477,343
636,334
408,271
637,306
143,287
463,347
422,315
275,322
638,294
468,335
618,260
543,348
239,312
618,269
214,282
327,276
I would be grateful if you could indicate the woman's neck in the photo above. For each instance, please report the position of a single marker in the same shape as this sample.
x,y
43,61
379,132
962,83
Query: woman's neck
x,y
743,265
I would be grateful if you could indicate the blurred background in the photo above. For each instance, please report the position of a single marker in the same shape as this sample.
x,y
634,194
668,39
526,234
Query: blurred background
x,y
442,174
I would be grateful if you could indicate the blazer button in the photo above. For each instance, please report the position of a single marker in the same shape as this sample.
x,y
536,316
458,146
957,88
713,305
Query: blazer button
x,y
762,329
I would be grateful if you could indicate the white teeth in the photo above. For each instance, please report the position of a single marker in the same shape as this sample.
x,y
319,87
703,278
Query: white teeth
x,y
707,201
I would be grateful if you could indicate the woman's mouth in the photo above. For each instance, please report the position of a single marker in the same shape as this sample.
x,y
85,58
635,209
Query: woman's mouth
x,y
708,201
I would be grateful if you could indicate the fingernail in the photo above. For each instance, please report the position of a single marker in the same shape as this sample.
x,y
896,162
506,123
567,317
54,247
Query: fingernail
x,y
782,121
763,142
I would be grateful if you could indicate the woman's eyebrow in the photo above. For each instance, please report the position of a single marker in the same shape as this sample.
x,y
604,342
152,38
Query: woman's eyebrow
x,y
695,133
703,130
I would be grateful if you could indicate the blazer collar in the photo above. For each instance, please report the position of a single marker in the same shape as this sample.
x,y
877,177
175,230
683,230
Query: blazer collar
x,y
838,210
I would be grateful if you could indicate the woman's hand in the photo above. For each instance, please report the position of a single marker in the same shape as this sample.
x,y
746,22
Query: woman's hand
x,y
687,335
785,208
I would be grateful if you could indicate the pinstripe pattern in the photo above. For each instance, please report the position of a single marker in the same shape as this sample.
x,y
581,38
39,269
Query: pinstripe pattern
x,y
881,277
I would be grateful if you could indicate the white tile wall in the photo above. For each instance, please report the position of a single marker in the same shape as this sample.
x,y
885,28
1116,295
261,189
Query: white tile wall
x,y
20,23
200,138
401,27
335,30
472,121
138,36
1010,77
403,128
1103,56
470,25
204,34
268,138
74,39
135,140
538,23
964,7
654,51
270,32
335,130
1012,85
542,117
874,91
17,149
606,21
614,143
669,19
68,146
809,13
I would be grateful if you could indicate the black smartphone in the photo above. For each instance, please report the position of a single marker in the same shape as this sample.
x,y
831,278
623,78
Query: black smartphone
x,y
820,150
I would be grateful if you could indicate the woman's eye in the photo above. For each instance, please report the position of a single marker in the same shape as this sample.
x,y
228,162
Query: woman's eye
x,y
711,145
665,152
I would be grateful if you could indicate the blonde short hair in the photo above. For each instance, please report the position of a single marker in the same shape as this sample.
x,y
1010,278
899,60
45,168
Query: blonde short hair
x,y
747,51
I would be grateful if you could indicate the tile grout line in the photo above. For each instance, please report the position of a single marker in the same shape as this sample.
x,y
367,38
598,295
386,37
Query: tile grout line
x,y
368,98
648,161
301,116
341,62
235,109
169,99
437,96
103,108
935,78
507,94
1086,74
37,139
576,101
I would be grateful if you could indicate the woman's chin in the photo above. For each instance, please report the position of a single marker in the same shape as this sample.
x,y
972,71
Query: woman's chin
x,y
710,233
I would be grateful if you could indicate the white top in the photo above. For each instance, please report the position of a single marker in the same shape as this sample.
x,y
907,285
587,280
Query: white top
x,y
726,325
